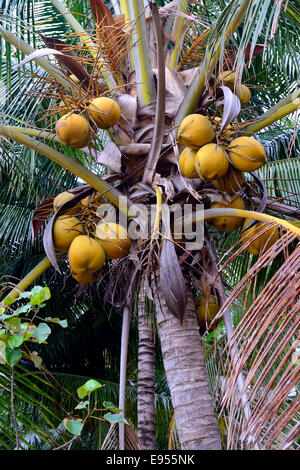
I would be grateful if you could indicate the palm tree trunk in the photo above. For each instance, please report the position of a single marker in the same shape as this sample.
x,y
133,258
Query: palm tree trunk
x,y
146,377
187,377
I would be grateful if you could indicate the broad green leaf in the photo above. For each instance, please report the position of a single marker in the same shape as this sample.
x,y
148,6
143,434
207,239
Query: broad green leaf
x,y
74,426
62,323
11,356
15,341
5,317
110,406
5,338
14,323
25,295
42,332
36,359
23,309
82,405
88,388
39,295
115,418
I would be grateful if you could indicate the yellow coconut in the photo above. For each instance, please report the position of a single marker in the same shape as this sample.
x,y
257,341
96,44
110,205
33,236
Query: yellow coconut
x,y
65,230
195,130
186,163
227,77
84,278
263,242
61,199
244,94
73,129
246,154
92,199
227,223
207,309
86,255
211,162
114,239
231,182
104,111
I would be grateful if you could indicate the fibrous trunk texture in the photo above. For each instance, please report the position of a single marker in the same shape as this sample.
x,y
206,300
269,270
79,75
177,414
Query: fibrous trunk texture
x,y
187,377
146,377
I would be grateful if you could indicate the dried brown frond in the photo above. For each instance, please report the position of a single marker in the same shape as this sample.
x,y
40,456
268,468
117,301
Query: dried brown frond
x,y
111,441
265,350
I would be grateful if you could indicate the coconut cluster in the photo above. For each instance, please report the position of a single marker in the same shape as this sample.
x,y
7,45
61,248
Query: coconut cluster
x,y
74,128
202,157
223,164
88,245
242,91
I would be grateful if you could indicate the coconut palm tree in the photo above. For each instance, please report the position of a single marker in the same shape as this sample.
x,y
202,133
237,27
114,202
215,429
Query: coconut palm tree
x,y
161,65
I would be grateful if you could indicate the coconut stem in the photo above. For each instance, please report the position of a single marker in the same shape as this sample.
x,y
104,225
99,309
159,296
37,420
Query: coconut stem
x,y
112,194
177,34
211,213
141,53
41,61
270,117
158,133
158,213
37,271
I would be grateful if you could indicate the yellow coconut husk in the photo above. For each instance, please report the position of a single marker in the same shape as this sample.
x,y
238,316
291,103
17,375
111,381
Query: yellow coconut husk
x,y
207,309
231,182
104,111
195,130
246,153
65,230
61,199
114,239
244,94
92,199
227,77
227,223
86,255
211,162
74,130
263,242
186,163
84,278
